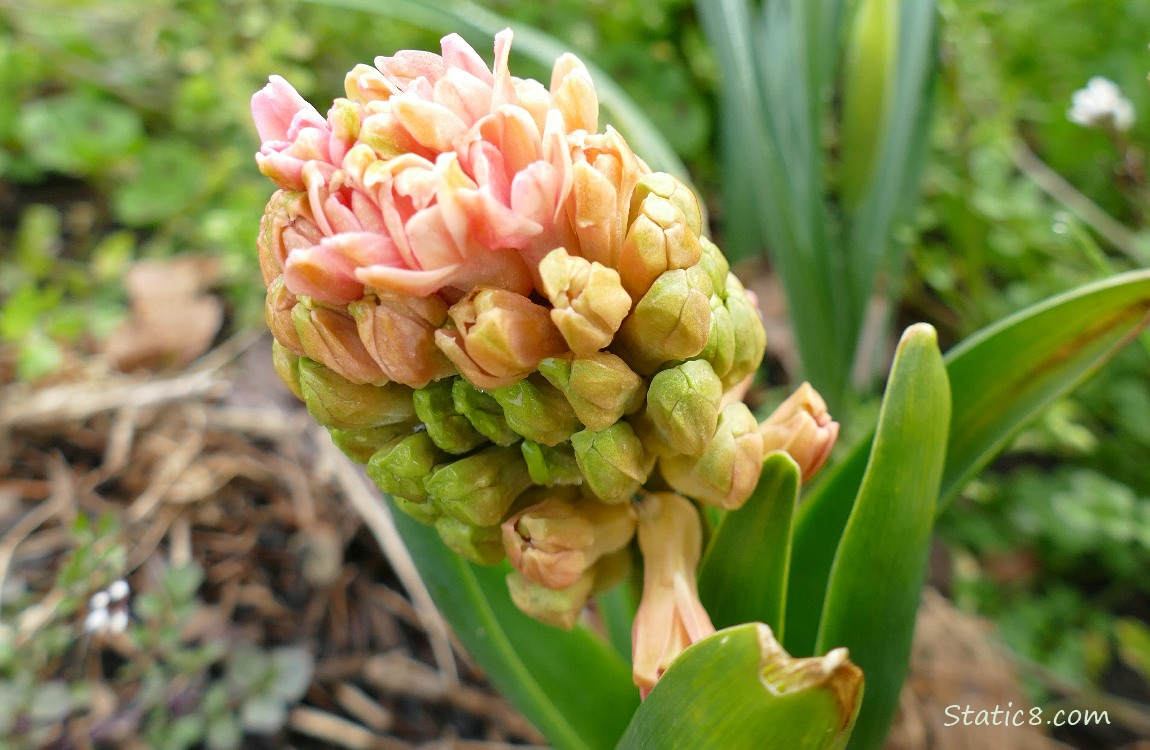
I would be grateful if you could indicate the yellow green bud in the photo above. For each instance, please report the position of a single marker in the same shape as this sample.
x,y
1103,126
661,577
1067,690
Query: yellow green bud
x,y
424,512
727,472
537,410
715,264
360,445
683,406
600,387
588,302
612,461
480,488
286,363
720,348
559,608
551,466
401,467
483,411
670,187
671,321
330,337
448,429
336,402
556,541
750,335
658,239
482,545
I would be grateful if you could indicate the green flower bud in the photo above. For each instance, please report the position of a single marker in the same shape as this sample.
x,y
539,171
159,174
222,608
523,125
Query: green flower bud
x,y
480,488
658,239
671,321
330,337
286,363
336,402
720,348
551,466
715,264
750,335
556,541
482,545
727,472
670,187
361,445
424,512
401,467
559,608
588,302
537,410
600,387
483,411
683,406
450,430
612,461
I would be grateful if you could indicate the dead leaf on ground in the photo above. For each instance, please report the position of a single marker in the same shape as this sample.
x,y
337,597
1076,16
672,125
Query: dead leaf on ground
x,y
173,317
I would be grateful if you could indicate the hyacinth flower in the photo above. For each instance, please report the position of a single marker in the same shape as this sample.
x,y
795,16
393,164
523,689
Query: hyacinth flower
x,y
524,333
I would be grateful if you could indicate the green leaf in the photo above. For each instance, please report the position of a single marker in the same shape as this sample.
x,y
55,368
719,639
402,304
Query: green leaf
x,y
78,133
739,689
877,576
1001,377
1005,374
570,684
743,576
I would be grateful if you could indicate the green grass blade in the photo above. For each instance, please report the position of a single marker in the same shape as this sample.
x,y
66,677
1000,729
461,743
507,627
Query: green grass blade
x,y
1001,378
480,25
877,576
743,576
570,684
738,689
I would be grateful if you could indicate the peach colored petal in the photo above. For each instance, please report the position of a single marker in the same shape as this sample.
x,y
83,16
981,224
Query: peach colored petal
x,y
430,124
512,131
503,88
405,280
464,94
326,271
409,65
432,245
457,53
278,107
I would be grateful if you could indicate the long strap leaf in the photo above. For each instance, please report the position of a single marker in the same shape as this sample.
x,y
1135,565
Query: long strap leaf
x,y
1001,378
876,580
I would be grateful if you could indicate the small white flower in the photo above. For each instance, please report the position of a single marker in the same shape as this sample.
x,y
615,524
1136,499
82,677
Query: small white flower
x,y
118,621
99,600
1101,105
96,621
118,590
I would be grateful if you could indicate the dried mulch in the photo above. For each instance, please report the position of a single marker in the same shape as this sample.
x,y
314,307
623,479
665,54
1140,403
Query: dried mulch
x,y
219,465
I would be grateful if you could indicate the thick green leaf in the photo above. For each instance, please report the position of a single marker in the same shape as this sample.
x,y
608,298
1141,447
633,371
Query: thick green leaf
x,y
739,689
476,22
570,684
877,576
1004,375
1001,377
743,577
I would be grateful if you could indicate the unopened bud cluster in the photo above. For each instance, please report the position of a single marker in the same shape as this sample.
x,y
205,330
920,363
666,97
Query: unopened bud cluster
x,y
507,316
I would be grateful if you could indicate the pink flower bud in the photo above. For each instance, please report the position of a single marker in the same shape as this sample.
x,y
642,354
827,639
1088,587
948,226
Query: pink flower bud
x,y
802,427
